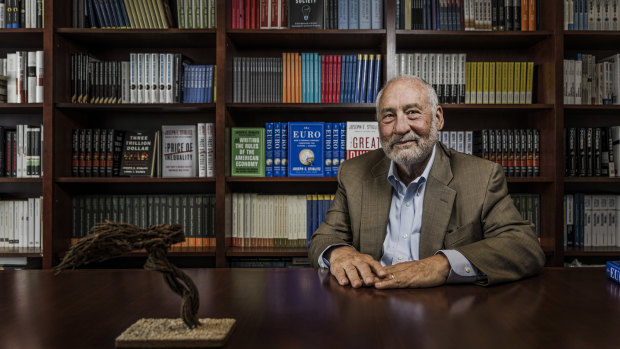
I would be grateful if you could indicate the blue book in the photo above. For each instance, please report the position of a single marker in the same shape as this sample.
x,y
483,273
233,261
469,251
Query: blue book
x,y
612,270
352,78
335,147
343,14
354,14
315,212
269,149
284,148
369,79
306,149
277,151
342,150
358,79
309,230
328,149
343,69
363,83
319,210
326,205
211,70
376,79
94,21
121,4
317,78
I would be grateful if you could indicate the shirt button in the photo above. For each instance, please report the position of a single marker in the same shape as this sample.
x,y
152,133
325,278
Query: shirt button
x,y
405,236
400,258
408,204
467,270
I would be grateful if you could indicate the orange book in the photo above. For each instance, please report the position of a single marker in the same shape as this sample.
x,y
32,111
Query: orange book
x,y
289,82
284,75
524,15
298,74
532,17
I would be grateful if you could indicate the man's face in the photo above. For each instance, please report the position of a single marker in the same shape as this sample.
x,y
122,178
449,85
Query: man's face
x,y
407,127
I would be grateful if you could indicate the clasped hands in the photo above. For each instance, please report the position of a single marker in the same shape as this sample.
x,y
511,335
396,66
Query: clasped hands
x,y
350,267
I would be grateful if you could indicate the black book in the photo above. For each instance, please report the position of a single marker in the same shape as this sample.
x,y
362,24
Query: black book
x,y
510,153
516,18
305,15
581,152
530,152
597,159
571,152
109,162
2,152
13,145
119,137
82,156
589,152
494,23
536,153
501,15
508,15
139,157
103,147
96,154
88,152
75,152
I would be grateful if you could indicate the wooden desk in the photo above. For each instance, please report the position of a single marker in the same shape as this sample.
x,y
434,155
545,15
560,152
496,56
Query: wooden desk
x,y
300,308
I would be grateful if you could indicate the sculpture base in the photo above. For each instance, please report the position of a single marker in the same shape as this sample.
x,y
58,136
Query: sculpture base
x,y
172,333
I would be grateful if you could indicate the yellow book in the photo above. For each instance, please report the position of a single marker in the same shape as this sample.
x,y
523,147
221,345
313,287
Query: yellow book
x,y
473,79
158,17
479,79
504,82
485,83
511,82
467,82
130,14
491,82
214,83
530,82
517,83
407,14
143,13
523,82
498,82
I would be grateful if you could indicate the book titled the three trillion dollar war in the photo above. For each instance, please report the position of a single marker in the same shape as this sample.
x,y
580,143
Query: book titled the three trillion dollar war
x,y
140,153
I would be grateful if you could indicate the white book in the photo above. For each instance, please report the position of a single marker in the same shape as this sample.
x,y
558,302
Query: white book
x,y
410,64
617,233
20,151
12,225
202,150
140,77
460,141
361,137
210,129
431,69
604,238
611,220
447,75
578,73
11,74
169,77
445,138
596,220
31,77
179,151
571,82
614,65
417,64
462,57
37,223
155,78
424,71
147,78
235,217
453,140
125,85
30,220
587,220
39,76
162,78
133,78
454,76
469,142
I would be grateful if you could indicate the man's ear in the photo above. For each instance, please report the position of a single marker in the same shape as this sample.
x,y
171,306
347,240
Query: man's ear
x,y
439,117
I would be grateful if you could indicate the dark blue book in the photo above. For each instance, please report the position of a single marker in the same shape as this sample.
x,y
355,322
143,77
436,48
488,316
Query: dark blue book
x,y
124,14
342,150
306,149
269,149
335,147
309,230
284,146
376,79
277,150
358,79
369,79
612,270
328,149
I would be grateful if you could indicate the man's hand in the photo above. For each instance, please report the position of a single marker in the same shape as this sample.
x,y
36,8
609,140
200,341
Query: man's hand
x,y
428,272
351,267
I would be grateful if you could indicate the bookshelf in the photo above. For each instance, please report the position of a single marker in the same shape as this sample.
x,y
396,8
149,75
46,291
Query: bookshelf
x,y
547,47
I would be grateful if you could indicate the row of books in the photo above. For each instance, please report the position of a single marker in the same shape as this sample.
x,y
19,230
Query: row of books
x,y
144,14
517,151
591,14
21,13
482,15
529,207
21,223
186,151
20,151
592,151
145,78
272,220
3,88
591,220
315,14
195,213
24,76
299,149
307,78
591,81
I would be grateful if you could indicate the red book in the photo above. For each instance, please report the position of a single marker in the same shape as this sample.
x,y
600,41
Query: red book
x,y
323,79
264,18
234,14
332,81
241,15
274,14
328,92
248,14
338,76
255,14
283,13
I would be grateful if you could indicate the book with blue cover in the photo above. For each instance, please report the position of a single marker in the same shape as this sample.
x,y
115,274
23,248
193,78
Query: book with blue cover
x,y
612,270
306,149
269,149
284,146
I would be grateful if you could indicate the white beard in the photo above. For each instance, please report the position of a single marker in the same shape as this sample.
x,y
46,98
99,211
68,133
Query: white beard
x,y
416,153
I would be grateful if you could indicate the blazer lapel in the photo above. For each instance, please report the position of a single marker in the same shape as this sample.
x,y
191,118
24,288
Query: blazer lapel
x,y
438,204
376,199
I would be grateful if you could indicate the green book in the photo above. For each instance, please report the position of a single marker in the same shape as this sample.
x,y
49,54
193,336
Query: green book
x,y
247,152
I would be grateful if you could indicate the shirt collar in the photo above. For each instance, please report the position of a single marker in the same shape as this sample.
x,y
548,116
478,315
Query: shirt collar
x,y
394,179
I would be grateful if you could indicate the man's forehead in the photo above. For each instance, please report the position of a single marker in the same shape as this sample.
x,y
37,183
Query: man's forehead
x,y
413,91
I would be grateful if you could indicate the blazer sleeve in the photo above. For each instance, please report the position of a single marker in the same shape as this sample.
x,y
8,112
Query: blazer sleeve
x,y
509,249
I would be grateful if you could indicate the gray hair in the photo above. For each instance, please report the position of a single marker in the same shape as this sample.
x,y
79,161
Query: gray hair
x,y
432,95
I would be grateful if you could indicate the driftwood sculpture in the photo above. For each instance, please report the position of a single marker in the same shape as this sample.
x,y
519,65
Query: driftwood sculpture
x,y
109,240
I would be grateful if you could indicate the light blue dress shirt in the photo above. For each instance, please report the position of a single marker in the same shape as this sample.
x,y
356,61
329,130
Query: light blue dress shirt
x,y
402,241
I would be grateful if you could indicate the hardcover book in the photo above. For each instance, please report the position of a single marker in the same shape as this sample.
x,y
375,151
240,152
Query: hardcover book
x,y
179,151
306,149
305,14
362,137
247,152
139,156
612,270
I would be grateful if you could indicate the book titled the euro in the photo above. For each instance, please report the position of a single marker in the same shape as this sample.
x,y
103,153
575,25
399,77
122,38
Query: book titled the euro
x,y
612,269
306,149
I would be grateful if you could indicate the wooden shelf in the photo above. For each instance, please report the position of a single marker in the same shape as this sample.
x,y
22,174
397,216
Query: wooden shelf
x,y
21,252
591,180
19,39
586,107
496,107
312,107
529,179
18,108
592,40
308,39
20,180
592,251
281,179
437,39
140,108
141,38
266,252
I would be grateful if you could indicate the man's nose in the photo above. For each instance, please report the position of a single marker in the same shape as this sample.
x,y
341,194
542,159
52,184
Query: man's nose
x,y
402,124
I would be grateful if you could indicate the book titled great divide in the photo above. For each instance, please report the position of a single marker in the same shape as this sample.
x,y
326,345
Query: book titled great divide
x,y
306,149
612,269
305,14
362,137
247,152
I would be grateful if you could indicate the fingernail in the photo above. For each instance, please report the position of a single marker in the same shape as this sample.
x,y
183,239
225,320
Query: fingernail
x,y
343,281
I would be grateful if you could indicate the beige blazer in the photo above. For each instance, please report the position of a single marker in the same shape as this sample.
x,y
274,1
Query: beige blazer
x,y
466,208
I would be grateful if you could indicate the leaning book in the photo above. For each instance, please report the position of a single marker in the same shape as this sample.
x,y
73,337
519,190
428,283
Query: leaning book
x,y
179,151
612,269
247,152
140,153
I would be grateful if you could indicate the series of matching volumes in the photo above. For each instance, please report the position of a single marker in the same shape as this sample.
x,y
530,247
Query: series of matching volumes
x,y
592,151
21,77
588,80
591,220
20,151
591,14
21,13
21,224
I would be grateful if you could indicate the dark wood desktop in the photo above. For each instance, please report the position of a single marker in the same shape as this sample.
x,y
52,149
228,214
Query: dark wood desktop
x,y
303,308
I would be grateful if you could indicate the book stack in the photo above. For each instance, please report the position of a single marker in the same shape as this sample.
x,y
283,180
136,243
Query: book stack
x,y
21,13
195,213
591,14
139,14
21,224
24,76
591,81
20,151
591,220
480,15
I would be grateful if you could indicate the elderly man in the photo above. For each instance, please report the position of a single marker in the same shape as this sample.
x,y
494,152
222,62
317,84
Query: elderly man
x,y
417,214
